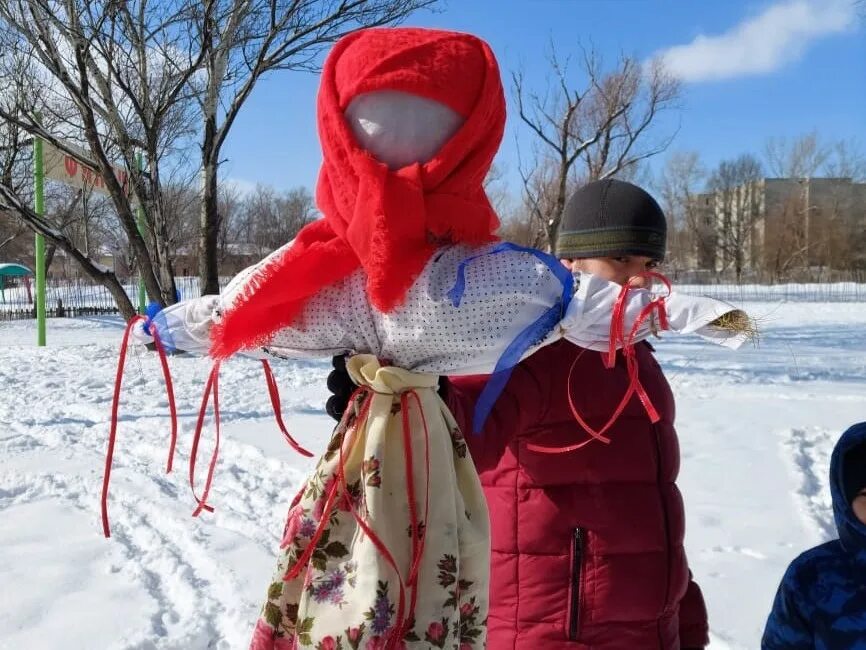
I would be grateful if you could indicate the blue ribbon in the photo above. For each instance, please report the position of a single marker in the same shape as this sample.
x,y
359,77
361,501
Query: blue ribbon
x,y
534,333
154,316
149,314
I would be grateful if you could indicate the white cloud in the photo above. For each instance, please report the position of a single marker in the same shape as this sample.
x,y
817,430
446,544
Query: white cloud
x,y
762,43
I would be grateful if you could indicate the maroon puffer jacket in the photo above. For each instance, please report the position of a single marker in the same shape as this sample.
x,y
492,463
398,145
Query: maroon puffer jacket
x,y
587,545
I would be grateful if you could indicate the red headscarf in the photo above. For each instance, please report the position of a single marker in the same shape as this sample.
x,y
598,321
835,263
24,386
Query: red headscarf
x,y
387,222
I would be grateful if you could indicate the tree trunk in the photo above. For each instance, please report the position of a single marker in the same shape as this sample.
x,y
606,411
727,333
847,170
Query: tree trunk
x,y
103,276
159,239
49,256
208,259
166,273
124,305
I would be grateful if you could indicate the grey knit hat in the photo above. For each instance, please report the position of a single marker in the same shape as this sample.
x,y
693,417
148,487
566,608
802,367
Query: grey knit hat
x,y
611,217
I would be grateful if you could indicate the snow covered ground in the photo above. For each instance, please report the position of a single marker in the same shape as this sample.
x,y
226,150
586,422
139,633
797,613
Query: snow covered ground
x,y
756,430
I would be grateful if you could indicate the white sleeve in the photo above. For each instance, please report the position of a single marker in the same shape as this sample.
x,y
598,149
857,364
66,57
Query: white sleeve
x,y
588,318
186,325
695,315
322,329
183,326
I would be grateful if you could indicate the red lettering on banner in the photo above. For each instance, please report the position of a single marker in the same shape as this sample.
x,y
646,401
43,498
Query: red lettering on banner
x,y
71,166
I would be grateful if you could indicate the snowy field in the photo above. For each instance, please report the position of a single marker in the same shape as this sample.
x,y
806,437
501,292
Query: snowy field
x,y
756,429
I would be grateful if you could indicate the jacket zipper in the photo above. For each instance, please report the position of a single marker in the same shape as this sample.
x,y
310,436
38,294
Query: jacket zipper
x,y
576,570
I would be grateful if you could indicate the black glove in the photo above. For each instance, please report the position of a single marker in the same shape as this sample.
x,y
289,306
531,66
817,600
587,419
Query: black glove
x,y
342,387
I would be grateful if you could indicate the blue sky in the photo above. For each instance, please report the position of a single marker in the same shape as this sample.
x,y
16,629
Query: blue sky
x,y
751,69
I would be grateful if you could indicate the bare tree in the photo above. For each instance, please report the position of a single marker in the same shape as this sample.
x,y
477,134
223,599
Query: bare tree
x,y
600,130
79,214
270,219
736,195
113,77
11,233
15,150
691,234
813,221
41,225
786,233
846,159
517,228
848,221
496,188
811,155
121,79
800,157
243,40
230,205
75,213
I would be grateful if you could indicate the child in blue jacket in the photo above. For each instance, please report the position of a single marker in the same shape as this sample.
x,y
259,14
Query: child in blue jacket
x,y
821,603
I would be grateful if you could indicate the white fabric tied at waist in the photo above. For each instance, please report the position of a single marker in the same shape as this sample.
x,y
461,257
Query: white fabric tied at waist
x,y
367,370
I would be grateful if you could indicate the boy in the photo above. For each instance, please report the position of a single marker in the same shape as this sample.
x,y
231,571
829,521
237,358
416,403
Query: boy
x,y
587,545
821,603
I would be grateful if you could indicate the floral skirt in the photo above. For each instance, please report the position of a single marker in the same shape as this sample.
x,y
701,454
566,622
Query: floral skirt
x,y
388,543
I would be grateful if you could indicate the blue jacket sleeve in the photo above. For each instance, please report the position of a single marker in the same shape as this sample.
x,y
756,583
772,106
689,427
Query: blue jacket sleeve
x,y
787,626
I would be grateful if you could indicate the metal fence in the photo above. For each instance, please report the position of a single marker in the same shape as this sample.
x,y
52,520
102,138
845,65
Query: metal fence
x,y
806,292
77,297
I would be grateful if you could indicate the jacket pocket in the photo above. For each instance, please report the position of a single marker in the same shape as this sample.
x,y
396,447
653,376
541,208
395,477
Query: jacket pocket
x,y
576,578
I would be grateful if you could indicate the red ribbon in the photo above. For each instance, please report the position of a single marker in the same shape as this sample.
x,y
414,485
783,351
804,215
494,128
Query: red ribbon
x,y
115,404
419,528
212,385
169,387
618,338
274,392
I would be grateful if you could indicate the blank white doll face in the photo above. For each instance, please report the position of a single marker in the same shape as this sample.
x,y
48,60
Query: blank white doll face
x,y
400,129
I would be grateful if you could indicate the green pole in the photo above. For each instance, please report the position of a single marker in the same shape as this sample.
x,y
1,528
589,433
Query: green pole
x,y
139,214
39,208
